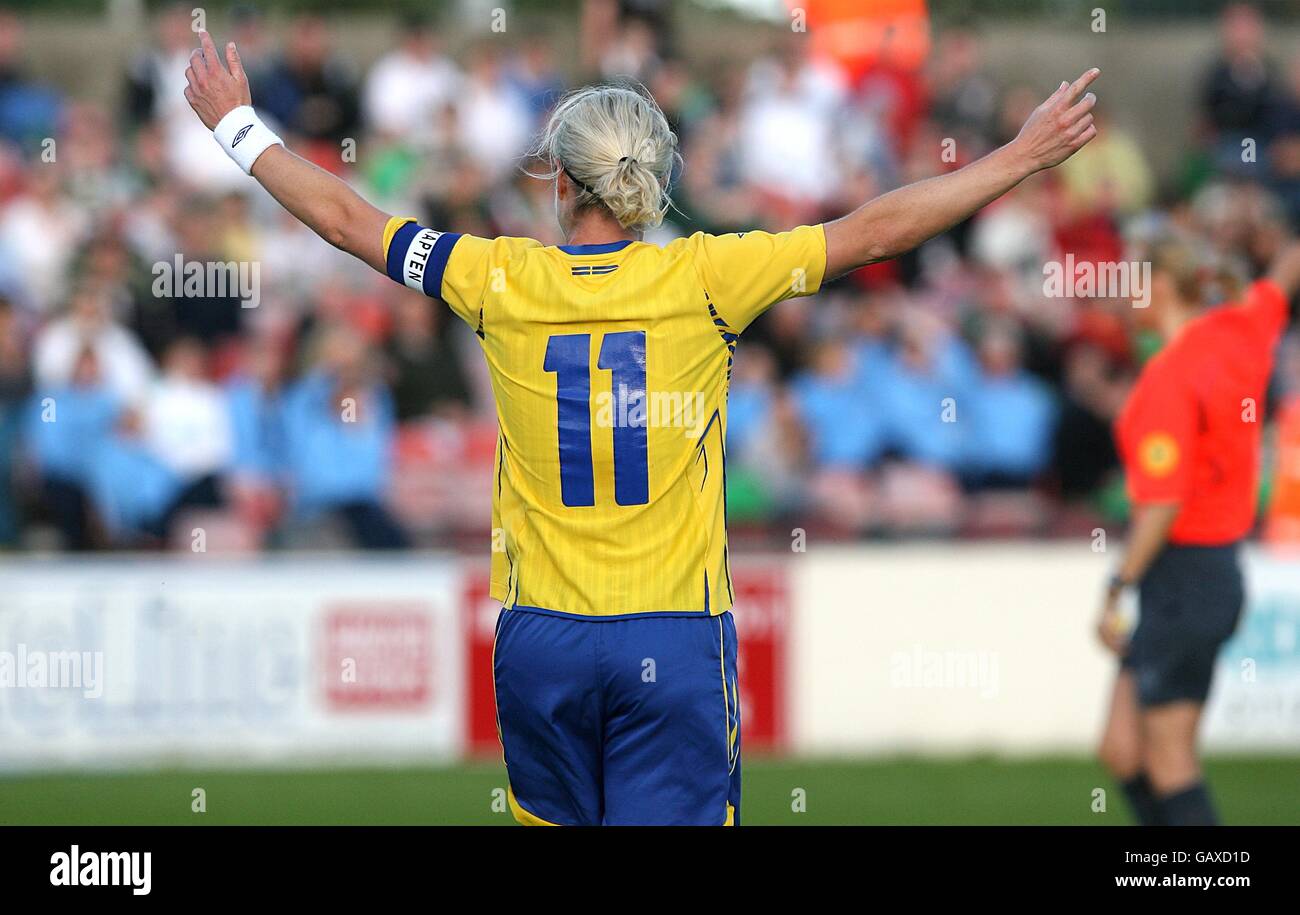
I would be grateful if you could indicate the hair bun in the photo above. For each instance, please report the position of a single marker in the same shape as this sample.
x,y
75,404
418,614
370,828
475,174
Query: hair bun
x,y
590,128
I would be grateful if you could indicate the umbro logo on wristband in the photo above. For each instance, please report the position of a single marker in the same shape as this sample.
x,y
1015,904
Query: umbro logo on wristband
x,y
244,137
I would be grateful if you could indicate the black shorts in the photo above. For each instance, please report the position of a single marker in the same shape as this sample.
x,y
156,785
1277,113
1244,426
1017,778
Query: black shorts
x,y
1189,603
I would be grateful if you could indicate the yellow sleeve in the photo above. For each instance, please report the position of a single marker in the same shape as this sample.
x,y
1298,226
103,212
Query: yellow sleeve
x,y
444,265
745,274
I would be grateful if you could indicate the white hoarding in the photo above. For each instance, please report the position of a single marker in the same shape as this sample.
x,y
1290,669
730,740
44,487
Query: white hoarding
x,y
965,648
920,648
123,661
1256,698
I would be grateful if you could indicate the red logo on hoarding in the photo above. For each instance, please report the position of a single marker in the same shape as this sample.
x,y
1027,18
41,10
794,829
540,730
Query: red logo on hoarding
x,y
480,620
378,656
762,613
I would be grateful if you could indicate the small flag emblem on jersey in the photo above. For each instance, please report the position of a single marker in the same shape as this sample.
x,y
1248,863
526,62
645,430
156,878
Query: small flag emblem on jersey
x,y
594,269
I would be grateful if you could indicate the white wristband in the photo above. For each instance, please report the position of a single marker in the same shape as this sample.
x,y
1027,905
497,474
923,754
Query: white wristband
x,y
244,137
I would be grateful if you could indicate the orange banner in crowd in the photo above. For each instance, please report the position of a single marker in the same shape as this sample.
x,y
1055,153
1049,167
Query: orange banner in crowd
x,y
1284,510
860,35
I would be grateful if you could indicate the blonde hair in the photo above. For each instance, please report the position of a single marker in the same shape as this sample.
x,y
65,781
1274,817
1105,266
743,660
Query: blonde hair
x,y
615,144
1200,275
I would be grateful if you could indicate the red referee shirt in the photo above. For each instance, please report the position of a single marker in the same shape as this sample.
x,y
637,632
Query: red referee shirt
x,y
1190,430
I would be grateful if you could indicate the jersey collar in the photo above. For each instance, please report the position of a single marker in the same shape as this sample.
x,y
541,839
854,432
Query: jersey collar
x,y
607,248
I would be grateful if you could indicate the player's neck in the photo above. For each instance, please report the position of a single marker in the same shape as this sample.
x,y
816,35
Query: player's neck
x,y
1174,320
594,228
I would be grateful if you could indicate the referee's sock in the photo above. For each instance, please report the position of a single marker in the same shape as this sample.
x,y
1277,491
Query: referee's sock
x,y
1190,806
1142,800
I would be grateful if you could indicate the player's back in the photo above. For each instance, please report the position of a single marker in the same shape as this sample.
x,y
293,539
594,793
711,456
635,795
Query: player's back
x,y
610,365
610,380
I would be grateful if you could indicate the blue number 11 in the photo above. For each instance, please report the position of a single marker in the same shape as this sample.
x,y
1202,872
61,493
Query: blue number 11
x,y
622,354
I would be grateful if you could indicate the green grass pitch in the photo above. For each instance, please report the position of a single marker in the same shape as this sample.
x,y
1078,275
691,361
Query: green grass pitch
x,y
892,791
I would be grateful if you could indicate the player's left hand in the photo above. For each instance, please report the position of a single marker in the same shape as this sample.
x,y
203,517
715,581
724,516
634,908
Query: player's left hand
x,y
214,91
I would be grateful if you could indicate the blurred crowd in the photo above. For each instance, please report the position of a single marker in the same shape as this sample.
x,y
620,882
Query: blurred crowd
x,y
943,393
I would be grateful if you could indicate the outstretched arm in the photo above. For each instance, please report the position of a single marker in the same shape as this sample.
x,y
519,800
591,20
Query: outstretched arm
x,y
1285,271
319,200
899,221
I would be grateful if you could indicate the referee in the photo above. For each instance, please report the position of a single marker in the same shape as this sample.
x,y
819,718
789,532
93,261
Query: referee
x,y
1189,437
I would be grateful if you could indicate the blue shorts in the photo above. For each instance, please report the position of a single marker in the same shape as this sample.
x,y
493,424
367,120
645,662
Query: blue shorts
x,y
619,721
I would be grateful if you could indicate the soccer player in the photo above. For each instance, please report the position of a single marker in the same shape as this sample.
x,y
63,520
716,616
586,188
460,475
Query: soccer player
x,y
1189,436
615,660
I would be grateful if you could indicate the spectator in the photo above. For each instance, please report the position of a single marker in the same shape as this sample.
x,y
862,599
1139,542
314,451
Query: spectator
x,y
120,361
155,71
844,432
338,443
1112,176
203,298
787,137
1095,384
844,428
15,385
535,75
96,179
409,86
633,53
131,489
1284,149
1010,418
493,115
255,401
40,231
107,264
311,93
750,401
187,429
28,112
765,476
154,92
427,377
922,393
964,98
67,424
255,405
624,38
1237,90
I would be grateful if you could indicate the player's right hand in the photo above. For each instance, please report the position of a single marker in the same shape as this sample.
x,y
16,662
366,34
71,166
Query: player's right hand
x,y
213,90
1059,127
1110,626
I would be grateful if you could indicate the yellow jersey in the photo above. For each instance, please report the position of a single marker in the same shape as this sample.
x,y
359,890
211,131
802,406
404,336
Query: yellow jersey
x,y
610,366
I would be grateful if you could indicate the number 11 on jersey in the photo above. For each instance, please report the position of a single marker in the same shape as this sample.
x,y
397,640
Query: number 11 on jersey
x,y
622,354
